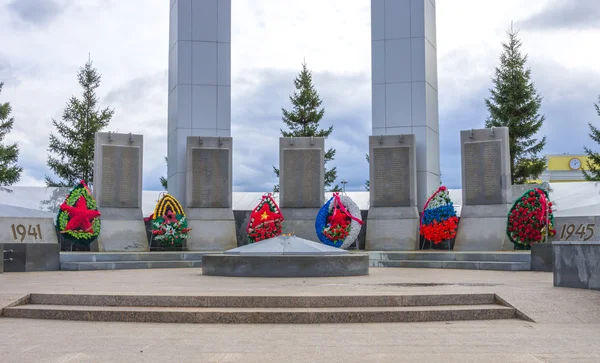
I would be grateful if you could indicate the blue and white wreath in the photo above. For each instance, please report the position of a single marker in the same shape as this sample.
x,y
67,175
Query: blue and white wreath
x,y
339,217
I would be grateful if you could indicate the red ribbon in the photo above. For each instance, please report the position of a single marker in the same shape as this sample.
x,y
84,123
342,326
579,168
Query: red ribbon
x,y
338,201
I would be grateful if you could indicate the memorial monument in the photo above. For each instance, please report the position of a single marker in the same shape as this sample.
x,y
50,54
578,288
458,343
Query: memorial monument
x,y
117,189
208,194
486,190
28,240
393,219
404,81
301,183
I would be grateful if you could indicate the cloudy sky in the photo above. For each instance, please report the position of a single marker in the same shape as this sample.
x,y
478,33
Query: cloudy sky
x,y
44,42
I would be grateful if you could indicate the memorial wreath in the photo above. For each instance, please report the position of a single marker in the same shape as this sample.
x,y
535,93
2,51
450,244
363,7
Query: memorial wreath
x,y
78,219
530,219
169,224
265,220
438,220
338,222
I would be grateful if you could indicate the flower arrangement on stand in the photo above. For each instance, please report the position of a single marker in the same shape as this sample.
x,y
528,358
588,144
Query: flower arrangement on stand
x,y
78,219
169,224
531,219
266,220
439,221
338,222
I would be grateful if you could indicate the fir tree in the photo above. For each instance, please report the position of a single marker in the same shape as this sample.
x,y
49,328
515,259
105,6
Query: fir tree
x,y
10,172
163,180
303,121
368,181
71,156
515,103
593,163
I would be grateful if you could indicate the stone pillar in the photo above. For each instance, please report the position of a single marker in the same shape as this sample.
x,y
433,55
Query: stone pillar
x,y
393,219
301,184
405,85
486,190
117,189
208,194
199,79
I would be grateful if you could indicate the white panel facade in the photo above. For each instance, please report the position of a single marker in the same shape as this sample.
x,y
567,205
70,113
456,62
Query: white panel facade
x,y
199,79
404,81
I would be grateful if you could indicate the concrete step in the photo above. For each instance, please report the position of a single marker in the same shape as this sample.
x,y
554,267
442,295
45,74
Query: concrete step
x,y
429,255
128,265
264,301
263,315
130,256
468,265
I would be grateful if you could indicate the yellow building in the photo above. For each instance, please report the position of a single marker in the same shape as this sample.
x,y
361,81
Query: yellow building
x,y
564,168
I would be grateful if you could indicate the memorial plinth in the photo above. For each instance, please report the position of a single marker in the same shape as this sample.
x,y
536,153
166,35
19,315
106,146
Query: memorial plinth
x,y
393,219
117,189
301,183
208,194
486,190
577,264
286,256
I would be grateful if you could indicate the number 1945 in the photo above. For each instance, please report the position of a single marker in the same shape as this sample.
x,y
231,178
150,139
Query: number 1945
x,y
19,231
584,231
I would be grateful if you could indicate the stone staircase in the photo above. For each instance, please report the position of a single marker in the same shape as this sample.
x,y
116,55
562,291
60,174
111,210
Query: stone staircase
x,y
86,261
264,309
499,261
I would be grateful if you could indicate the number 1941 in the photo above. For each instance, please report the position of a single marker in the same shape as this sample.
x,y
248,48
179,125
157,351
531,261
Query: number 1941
x,y
584,231
19,231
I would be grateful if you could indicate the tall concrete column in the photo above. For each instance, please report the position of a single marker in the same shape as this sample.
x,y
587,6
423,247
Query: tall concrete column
x,y
404,80
199,79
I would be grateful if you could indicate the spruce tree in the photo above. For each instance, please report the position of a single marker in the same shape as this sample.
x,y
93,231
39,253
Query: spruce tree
x,y
303,121
71,150
368,181
163,180
593,163
10,172
515,103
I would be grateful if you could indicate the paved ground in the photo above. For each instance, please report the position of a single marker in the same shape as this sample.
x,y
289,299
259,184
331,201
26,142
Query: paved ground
x,y
566,328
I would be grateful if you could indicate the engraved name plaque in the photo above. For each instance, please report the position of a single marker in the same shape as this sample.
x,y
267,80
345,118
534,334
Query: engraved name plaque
x,y
483,172
301,178
391,177
210,169
120,176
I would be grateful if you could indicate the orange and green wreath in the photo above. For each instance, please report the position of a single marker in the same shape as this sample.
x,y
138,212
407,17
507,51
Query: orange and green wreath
x,y
78,219
169,224
266,220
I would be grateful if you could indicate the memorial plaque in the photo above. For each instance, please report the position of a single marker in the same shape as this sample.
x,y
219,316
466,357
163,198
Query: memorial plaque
x,y
210,173
483,172
577,229
391,177
301,178
120,176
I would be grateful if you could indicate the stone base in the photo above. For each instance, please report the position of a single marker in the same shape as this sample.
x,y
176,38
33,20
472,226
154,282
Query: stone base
x,y
300,222
577,264
1,258
392,229
542,258
483,228
353,264
122,230
26,257
213,229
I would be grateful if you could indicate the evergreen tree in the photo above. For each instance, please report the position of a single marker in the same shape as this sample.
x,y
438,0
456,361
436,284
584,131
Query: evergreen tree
x,y
515,103
71,156
303,121
10,172
368,181
593,163
163,180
